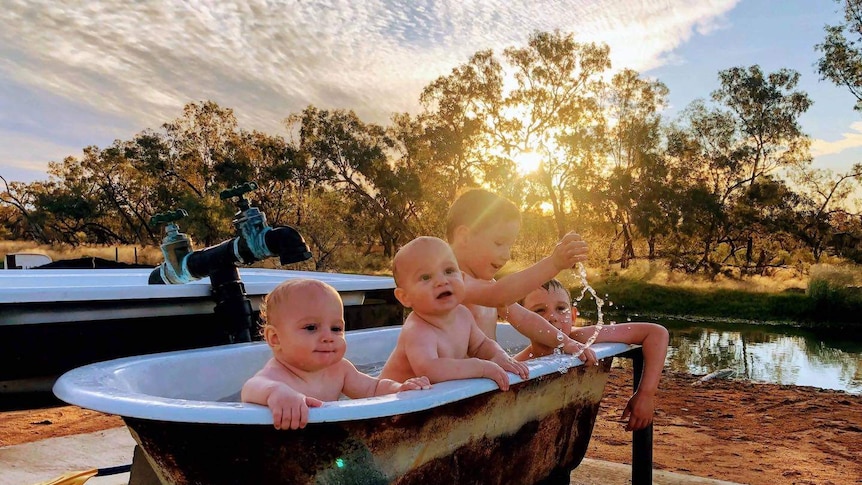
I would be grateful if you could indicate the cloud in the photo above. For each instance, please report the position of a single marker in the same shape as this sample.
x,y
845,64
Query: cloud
x,y
137,63
849,140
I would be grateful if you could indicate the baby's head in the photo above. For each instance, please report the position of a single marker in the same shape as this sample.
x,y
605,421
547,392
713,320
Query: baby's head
x,y
304,324
482,227
427,277
553,302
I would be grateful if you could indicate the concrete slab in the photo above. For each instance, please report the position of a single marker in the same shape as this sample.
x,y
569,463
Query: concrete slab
x,y
31,463
35,462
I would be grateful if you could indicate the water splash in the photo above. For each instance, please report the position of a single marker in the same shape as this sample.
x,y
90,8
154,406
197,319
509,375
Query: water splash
x,y
581,273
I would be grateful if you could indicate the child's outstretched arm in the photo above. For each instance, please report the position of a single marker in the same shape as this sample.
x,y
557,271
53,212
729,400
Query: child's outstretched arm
x,y
568,252
653,339
537,329
358,384
289,407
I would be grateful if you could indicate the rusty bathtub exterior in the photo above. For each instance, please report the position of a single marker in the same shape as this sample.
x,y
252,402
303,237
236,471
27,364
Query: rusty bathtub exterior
x,y
459,432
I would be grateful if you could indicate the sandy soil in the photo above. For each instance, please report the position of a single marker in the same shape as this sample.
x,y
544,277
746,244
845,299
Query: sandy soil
x,y
736,431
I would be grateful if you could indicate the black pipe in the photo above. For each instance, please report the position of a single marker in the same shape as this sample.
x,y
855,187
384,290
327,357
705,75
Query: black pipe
x,y
233,308
206,261
288,244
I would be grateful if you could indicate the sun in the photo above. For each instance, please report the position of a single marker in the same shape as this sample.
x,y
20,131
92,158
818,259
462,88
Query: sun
x,y
527,162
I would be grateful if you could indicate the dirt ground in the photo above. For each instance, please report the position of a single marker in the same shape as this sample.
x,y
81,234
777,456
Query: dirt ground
x,y
736,431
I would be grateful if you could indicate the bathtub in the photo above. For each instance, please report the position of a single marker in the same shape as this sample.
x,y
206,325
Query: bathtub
x,y
183,409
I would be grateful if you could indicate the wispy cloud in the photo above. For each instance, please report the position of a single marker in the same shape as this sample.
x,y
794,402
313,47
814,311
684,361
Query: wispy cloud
x,y
848,140
137,63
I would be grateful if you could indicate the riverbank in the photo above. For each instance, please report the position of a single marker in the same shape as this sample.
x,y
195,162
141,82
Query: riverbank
x,y
736,431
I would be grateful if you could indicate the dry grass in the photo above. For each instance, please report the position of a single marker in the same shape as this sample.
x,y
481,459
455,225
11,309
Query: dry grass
x,y
126,254
657,273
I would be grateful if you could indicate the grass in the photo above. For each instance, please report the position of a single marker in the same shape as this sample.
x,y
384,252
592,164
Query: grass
x,y
825,298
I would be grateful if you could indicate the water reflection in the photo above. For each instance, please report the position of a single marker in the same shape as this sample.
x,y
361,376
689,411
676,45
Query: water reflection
x,y
781,355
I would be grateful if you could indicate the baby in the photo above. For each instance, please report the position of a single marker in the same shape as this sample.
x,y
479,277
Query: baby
x,y
440,338
304,327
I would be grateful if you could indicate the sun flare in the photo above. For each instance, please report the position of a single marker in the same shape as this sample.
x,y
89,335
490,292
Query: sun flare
x,y
527,162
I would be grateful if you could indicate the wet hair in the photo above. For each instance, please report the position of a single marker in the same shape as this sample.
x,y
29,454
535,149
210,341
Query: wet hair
x,y
550,285
479,209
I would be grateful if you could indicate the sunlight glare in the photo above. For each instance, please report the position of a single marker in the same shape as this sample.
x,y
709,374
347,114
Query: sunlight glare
x,y
527,162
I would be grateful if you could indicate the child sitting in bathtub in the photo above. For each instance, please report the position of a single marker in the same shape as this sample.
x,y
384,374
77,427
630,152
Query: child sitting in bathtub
x,y
481,228
440,338
553,303
304,327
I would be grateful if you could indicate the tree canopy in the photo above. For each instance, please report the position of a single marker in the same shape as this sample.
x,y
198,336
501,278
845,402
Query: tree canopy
x,y
726,186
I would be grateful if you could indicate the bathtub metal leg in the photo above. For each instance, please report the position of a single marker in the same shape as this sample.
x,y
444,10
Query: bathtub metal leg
x,y
142,472
641,439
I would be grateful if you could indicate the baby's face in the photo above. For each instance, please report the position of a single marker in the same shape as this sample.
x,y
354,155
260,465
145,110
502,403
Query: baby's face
x,y
310,327
553,305
489,249
429,280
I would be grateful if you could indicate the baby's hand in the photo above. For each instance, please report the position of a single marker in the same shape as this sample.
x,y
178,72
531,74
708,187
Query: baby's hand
x,y
511,365
496,373
415,383
571,250
290,408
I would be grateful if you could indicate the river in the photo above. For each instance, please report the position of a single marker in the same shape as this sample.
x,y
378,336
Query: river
x,y
766,353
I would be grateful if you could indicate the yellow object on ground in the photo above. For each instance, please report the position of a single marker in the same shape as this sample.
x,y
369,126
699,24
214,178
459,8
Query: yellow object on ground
x,y
72,478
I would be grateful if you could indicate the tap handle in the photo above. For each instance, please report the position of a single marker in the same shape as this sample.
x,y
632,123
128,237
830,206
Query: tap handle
x,y
164,217
238,190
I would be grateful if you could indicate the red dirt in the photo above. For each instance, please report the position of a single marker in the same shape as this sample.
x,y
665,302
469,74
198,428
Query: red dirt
x,y
736,431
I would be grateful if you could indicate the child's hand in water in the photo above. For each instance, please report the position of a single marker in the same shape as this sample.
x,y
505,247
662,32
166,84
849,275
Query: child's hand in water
x,y
639,411
415,383
509,364
290,408
572,249
496,373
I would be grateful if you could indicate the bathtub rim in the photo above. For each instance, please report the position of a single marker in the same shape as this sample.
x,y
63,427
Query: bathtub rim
x,y
85,387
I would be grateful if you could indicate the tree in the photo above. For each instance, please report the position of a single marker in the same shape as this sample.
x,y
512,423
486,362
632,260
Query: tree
x,y
637,166
750,133
351,156
826,197
479,126
842,58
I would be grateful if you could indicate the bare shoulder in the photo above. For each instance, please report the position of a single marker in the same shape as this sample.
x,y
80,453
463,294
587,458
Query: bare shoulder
x,y
464,316
415,327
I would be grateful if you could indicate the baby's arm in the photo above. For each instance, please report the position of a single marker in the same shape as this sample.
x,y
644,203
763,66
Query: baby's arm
x,y
537,329
421,350
486,348
289,407
568,252
358,384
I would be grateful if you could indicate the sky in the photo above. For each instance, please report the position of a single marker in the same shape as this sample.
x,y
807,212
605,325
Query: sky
x,y
81,73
